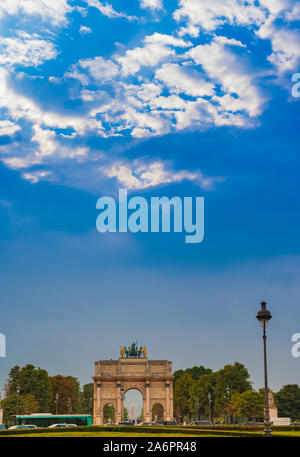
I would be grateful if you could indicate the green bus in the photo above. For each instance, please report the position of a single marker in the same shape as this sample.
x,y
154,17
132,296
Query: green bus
x,y
47,419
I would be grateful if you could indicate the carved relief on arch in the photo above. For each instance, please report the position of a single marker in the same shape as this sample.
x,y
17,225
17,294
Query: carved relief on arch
x,y
140,386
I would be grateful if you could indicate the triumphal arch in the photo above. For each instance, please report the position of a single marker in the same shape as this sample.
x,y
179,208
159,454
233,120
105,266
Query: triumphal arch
x,y
133,370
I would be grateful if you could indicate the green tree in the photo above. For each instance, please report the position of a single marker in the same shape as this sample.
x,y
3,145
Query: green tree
x,y
31,380
13,381
182,395
176,375
125,414
68,390
87,398
199,402
236,377
196,371
109,413
248,404
288,401
19,404
157,412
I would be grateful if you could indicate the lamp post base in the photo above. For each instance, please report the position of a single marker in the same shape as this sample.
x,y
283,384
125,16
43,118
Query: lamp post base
x,y
267,429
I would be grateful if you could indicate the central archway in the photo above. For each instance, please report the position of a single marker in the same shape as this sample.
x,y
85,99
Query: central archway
x,y
134,405
109,413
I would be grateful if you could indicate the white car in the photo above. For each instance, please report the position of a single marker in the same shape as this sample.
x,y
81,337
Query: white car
x,y
18,427
62,425
144,424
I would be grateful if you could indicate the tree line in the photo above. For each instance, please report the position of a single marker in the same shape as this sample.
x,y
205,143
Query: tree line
x,y
199,392
31,390
227,395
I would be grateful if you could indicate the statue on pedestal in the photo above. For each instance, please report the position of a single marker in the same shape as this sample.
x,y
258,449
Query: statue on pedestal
x,y
272,406
133,351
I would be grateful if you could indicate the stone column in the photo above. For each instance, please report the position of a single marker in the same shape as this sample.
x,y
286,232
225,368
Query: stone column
x,y
167,413
148,413
98,413
144,409
118,417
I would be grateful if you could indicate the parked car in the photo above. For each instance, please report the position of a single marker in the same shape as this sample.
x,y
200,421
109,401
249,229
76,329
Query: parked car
x,y
203,423
125,423
145,424
18,427
62,425
2,427
162,422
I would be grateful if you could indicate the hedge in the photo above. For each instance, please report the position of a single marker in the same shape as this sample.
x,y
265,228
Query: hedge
x,y
245,431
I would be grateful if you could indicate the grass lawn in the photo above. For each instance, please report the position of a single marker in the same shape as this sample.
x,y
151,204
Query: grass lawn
x,y
150,433
104,435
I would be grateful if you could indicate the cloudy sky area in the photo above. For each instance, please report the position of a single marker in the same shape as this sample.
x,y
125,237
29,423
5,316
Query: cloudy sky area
x,y
162,97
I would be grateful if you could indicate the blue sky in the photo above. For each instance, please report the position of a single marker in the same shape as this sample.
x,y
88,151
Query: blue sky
x,y
164,98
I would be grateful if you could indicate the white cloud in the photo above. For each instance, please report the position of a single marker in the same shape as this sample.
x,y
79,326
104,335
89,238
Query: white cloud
x,y
26,50
74,73
275,7
168,40
148,56
142,176
100,68
54,11
263,14
157,47
21,107
55,80
294,13
45,139
223,66
285,54
92,95
164,84
17,163
107,10
48,145
36,176
184,80
8,128
85,30
152,4
286,49
209,15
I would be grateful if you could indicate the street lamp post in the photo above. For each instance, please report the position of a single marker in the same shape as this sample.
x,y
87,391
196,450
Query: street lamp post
x,y
56,402
197,408
69,405
209,405
264,316
228,404
18,396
